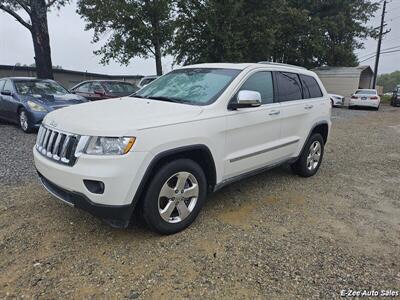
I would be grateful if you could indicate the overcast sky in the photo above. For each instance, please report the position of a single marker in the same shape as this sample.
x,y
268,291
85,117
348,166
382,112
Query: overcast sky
x,y
72,49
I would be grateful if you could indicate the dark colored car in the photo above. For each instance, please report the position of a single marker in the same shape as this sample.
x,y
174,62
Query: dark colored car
x,y
104,89
395,101
26,101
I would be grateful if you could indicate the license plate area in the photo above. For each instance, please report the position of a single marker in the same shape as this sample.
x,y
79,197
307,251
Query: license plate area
x,y
363,98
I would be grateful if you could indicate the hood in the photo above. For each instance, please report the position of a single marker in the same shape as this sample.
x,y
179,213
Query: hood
x,y
119,117
56,100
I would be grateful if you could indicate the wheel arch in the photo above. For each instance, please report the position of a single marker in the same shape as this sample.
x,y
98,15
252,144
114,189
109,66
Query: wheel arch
x,y
201,154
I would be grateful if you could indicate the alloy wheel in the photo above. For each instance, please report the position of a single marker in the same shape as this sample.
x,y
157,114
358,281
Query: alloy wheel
x,y
23,120
314,156
178,197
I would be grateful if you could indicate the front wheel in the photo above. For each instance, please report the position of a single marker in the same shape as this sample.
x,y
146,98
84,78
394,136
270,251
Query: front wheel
x,y
24,121
311,157
175,196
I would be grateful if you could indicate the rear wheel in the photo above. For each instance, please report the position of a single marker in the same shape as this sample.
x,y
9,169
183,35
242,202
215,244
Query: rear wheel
x,y
24,122
311,157
175,196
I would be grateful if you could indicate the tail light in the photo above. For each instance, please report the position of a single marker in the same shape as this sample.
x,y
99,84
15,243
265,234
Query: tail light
x,y
354,97
374,98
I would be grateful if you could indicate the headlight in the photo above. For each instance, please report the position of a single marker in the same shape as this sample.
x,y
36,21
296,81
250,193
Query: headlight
x,y
36,107
109,145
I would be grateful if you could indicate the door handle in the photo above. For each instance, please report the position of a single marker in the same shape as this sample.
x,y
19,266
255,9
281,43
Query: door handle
x,y
274,112
308,106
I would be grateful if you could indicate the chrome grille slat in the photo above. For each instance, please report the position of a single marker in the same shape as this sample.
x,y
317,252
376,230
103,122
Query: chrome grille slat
x,y
64,149
45,141
50,144
57,146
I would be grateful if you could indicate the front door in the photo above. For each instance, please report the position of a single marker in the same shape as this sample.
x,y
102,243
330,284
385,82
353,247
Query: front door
x,y
253,134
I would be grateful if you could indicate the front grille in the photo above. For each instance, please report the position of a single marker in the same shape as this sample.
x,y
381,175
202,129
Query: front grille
x,y
56,145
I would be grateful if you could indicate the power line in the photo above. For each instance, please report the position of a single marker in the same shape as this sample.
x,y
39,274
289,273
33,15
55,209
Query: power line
x,y
365,55
387,52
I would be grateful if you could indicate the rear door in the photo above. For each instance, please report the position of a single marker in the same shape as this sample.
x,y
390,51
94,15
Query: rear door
x,y
297,108
253,134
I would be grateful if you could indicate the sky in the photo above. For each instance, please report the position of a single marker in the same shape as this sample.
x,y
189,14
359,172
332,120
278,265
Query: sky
x,y
72,48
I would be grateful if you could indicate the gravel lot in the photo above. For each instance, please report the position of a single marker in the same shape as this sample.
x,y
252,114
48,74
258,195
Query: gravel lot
x,y
271,236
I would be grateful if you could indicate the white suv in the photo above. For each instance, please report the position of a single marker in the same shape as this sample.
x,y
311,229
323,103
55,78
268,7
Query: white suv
x,y
189,133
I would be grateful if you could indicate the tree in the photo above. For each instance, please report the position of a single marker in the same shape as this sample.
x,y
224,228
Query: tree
x,y
304,32
389,81
38,27
134,27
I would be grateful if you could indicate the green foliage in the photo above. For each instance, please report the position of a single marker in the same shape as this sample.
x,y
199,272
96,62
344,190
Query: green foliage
x,y
132,27
389,81
304,32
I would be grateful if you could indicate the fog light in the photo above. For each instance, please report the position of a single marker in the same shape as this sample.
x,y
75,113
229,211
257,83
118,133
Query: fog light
x,y
95,187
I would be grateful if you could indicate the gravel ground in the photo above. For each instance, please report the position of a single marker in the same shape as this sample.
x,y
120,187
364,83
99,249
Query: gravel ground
x,y
275,235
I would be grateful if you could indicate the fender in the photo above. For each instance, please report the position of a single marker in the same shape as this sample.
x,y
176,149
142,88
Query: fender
x,y
309,134
162,155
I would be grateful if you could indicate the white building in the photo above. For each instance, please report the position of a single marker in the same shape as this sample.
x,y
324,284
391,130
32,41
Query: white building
x,y
345,80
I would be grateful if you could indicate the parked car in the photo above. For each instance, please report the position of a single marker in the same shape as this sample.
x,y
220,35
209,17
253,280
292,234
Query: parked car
x,y
26,101
189,133
146,80
395,101
336,100
94,90
365,98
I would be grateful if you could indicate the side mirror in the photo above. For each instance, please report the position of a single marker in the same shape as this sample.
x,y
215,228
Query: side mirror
x,y
246,99
6,93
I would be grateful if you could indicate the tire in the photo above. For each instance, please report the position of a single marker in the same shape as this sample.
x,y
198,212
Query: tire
x,y
165,182
23,121
303,166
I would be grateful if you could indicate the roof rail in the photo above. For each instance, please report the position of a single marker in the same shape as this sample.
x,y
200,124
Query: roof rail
x,y
280,64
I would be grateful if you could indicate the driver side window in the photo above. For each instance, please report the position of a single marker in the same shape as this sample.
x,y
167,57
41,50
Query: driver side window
x,y
261,82
84,88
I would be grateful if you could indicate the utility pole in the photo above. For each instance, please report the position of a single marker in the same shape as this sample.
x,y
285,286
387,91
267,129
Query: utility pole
x,y
378,51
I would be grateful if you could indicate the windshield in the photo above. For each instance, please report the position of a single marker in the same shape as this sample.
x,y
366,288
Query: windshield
x,y
190,86
37,87
120,87
366,92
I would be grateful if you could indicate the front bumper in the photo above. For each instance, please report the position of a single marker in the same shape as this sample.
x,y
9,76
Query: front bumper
x,y
366,103
116,216
395,102
121,175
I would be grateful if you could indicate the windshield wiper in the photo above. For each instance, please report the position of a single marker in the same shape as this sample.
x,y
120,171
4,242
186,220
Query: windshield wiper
x,y
168,99
137,96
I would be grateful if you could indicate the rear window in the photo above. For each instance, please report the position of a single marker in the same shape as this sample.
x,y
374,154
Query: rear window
x,y
365,92
311,87
289,87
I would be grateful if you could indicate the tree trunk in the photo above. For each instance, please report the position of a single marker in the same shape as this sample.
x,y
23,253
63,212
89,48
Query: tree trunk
x,y
158,60
41,40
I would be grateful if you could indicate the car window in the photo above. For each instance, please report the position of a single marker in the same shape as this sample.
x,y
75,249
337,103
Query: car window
x,y
1,84
8,86
147,81
96,86
311,87
39,87
261,82
366,92
120,87
289,87
84,88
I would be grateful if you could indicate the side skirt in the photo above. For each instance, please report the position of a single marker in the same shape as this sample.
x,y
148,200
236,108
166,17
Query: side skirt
x,y
252,173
